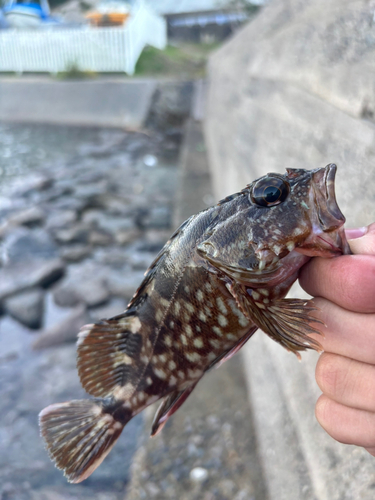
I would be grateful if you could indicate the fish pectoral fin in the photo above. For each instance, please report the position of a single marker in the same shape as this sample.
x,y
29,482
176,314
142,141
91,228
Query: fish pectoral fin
x,y
168,407
109,355
79,435
288,322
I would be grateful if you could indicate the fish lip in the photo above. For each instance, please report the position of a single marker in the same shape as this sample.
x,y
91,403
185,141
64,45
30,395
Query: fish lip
x,y
329,178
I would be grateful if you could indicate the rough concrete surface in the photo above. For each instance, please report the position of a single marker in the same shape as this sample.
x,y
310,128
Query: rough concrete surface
x,y
295,89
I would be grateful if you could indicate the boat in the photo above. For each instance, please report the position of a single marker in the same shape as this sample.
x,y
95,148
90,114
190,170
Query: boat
x,y
109,13
28,14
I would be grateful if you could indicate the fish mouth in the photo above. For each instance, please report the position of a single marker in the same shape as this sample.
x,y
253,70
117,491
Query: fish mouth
x,y
328,236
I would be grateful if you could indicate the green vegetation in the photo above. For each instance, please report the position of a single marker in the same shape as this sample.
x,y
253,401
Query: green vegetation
x,y
185,61
73,72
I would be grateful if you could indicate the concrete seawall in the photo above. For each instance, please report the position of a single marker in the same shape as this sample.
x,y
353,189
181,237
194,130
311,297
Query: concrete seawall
x,y
105,102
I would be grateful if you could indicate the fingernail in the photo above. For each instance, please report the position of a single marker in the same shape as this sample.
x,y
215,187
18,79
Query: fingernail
x,y
352,234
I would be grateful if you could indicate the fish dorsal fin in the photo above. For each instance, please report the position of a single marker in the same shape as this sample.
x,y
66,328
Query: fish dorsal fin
x,y
287,321
108,355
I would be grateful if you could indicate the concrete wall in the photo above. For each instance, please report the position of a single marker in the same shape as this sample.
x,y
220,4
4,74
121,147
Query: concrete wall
x,y
112,102
295,88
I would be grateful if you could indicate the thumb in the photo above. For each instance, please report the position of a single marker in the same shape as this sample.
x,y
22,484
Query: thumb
x,y
362,240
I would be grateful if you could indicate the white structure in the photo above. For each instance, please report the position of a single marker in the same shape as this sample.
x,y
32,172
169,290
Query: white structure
x,y
89,49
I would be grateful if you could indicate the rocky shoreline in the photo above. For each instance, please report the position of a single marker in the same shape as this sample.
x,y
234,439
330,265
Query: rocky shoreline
x,y
76,239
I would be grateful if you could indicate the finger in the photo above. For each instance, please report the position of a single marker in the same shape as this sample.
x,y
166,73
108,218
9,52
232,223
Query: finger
x,y
364,244
346,425
349,281
347,381
346,333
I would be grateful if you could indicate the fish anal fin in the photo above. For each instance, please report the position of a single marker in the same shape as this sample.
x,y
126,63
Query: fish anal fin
x,y
168,407
108,354
79,435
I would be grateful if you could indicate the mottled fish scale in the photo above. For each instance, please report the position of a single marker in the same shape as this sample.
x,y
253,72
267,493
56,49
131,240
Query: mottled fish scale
x,y
223,274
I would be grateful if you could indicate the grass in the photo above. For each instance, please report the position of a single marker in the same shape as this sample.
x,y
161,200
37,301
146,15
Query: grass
x,y
185,61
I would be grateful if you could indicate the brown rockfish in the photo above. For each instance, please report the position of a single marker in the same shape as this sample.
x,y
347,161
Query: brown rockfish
x,y
223,274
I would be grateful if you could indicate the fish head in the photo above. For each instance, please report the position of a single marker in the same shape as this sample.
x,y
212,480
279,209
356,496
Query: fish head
x,y
297,212
276,224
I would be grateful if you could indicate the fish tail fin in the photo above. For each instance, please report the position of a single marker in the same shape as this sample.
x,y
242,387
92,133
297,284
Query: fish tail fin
x,y
79,435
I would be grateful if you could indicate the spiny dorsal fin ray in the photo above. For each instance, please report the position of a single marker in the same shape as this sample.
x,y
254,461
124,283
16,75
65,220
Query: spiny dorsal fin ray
x,y
108,354
79,435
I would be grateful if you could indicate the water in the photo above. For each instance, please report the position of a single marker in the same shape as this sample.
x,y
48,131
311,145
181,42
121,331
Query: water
x,y
25,149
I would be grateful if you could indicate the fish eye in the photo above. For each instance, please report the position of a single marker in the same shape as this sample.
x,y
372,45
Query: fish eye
x,y
269,191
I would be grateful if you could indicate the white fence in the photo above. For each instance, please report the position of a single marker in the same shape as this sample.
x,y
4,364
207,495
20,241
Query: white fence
x,y
89,49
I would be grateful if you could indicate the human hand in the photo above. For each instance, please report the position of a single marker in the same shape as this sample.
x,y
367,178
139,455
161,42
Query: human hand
x,y
344,291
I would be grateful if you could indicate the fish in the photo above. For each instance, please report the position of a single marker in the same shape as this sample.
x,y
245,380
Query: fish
x,y
223,274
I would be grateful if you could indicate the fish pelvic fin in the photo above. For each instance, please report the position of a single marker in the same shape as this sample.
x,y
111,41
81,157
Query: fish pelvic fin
x,y
79,435
108,355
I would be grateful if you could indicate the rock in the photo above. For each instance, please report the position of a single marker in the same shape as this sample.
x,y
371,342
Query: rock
x,y
158,217
124,237
59,219
30,217
64,331
99,237
83,284
79,233
26,307
22,276
24,244
109,223
140,260
112,256
125,283
75,253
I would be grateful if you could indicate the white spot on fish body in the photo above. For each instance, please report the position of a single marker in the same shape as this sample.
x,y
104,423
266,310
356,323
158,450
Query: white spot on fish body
x,y
172,365
255,295
160,373
202,316
188,330
222,320
168,341
199,295
194,357
187,289
290,245
217,330
215,343
177,308
221,305
190,307
184,339
198,342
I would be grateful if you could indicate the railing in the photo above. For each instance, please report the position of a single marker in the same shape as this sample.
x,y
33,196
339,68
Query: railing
x,y
88,49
